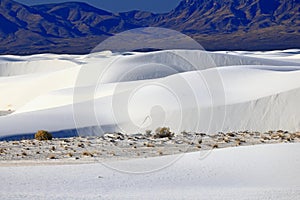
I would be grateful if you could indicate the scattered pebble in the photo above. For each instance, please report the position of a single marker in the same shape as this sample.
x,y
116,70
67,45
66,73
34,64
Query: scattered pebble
x,y
118,145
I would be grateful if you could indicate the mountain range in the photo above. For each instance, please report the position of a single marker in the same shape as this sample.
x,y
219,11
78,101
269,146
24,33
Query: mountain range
x,y
76,27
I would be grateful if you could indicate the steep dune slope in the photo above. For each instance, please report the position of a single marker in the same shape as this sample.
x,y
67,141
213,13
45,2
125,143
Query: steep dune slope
x,y
186,90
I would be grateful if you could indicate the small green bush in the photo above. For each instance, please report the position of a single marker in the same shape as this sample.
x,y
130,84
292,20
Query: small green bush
x,y
163,132
43,135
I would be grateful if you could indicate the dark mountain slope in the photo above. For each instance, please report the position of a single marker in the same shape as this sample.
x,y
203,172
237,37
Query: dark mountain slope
x,y
87,19
75,27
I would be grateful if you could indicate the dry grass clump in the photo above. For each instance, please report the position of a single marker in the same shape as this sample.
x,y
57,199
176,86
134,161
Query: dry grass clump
x,y
70,154
86,153
163,132
80,145
148,133
160,152
43,135
150,145
226,139
51,157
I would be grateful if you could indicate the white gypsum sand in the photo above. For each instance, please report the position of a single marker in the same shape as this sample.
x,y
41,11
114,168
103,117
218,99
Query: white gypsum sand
x,y
252,172
194,91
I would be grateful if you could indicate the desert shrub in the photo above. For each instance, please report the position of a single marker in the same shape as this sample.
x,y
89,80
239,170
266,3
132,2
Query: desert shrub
x,y
51,157
2,150
160,152
163,132
70,154
148,132
43,135
86,153
80,145
150,145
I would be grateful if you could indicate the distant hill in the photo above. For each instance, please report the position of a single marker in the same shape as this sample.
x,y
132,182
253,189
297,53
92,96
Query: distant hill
x,y
76,27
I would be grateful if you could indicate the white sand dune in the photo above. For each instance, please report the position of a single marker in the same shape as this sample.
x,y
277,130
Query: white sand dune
x,y
186,90
253,172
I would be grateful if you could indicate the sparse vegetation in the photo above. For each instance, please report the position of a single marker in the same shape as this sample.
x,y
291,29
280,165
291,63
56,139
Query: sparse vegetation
x,y
148,132
160,152
163,132
226,139
137,144
43,135
150,145
200,141
52,157
81,145
70,154
86,153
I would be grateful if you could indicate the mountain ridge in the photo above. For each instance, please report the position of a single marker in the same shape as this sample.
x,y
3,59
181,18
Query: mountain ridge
x,y
77,27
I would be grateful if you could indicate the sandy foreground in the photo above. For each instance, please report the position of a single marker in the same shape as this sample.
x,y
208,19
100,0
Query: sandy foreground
x,y
250,172
235,165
